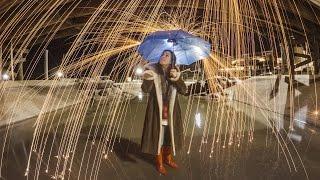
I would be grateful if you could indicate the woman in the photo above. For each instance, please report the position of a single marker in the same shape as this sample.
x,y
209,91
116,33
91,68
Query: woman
x,y
163,131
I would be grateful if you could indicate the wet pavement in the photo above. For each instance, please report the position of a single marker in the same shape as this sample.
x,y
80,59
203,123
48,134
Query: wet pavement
x,y
260,159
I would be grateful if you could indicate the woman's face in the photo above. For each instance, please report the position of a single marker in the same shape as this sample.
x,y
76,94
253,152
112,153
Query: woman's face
x,y
165,58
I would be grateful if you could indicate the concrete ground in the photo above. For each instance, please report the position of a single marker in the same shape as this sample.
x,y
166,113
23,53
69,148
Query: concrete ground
x,y
259,159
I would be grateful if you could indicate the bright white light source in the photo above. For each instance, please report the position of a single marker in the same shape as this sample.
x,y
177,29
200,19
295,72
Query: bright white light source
x,y
140,96
198,120
5,77
139,71
316,112
59,74
129,79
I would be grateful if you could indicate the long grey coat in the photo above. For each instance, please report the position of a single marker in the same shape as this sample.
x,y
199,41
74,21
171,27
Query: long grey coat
x,y
152,128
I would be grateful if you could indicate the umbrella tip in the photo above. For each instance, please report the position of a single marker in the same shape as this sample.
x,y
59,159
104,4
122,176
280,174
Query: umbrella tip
x,y
172,40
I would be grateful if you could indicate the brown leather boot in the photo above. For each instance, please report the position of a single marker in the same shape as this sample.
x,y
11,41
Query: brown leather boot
x,y
168,158
159,164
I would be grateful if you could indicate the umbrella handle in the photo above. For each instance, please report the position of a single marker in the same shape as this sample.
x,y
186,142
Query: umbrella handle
x,y
173,63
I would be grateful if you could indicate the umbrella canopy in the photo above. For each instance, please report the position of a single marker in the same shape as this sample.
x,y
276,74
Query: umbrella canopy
x,y
187,47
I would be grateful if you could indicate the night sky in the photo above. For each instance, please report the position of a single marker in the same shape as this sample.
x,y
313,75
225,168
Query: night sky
x,y
56,49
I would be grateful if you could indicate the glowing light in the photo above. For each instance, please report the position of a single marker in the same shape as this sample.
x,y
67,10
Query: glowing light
x,y
140,96
120,43
139,71
5,77
295,137
26,173
198,120
59,74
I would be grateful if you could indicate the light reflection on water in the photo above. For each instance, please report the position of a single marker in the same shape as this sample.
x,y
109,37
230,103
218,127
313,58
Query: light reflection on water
x,y
198,119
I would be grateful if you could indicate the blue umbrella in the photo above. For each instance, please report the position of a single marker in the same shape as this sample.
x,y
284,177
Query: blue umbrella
x,y
187,47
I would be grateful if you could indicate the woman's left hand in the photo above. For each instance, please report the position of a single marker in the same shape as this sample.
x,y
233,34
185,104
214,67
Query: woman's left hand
x,y
174,74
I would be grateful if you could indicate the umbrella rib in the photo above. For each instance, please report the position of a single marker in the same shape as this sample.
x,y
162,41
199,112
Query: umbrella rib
x,y
185,52
192,45
205,43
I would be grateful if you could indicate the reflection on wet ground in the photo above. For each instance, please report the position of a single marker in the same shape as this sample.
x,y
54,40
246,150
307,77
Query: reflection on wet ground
x,y
260,159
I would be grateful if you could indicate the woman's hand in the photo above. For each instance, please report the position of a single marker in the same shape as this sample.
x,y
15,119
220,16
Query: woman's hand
x,y
148,75
174,74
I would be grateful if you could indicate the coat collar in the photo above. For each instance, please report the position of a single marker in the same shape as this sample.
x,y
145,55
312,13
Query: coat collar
x,y
156,67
